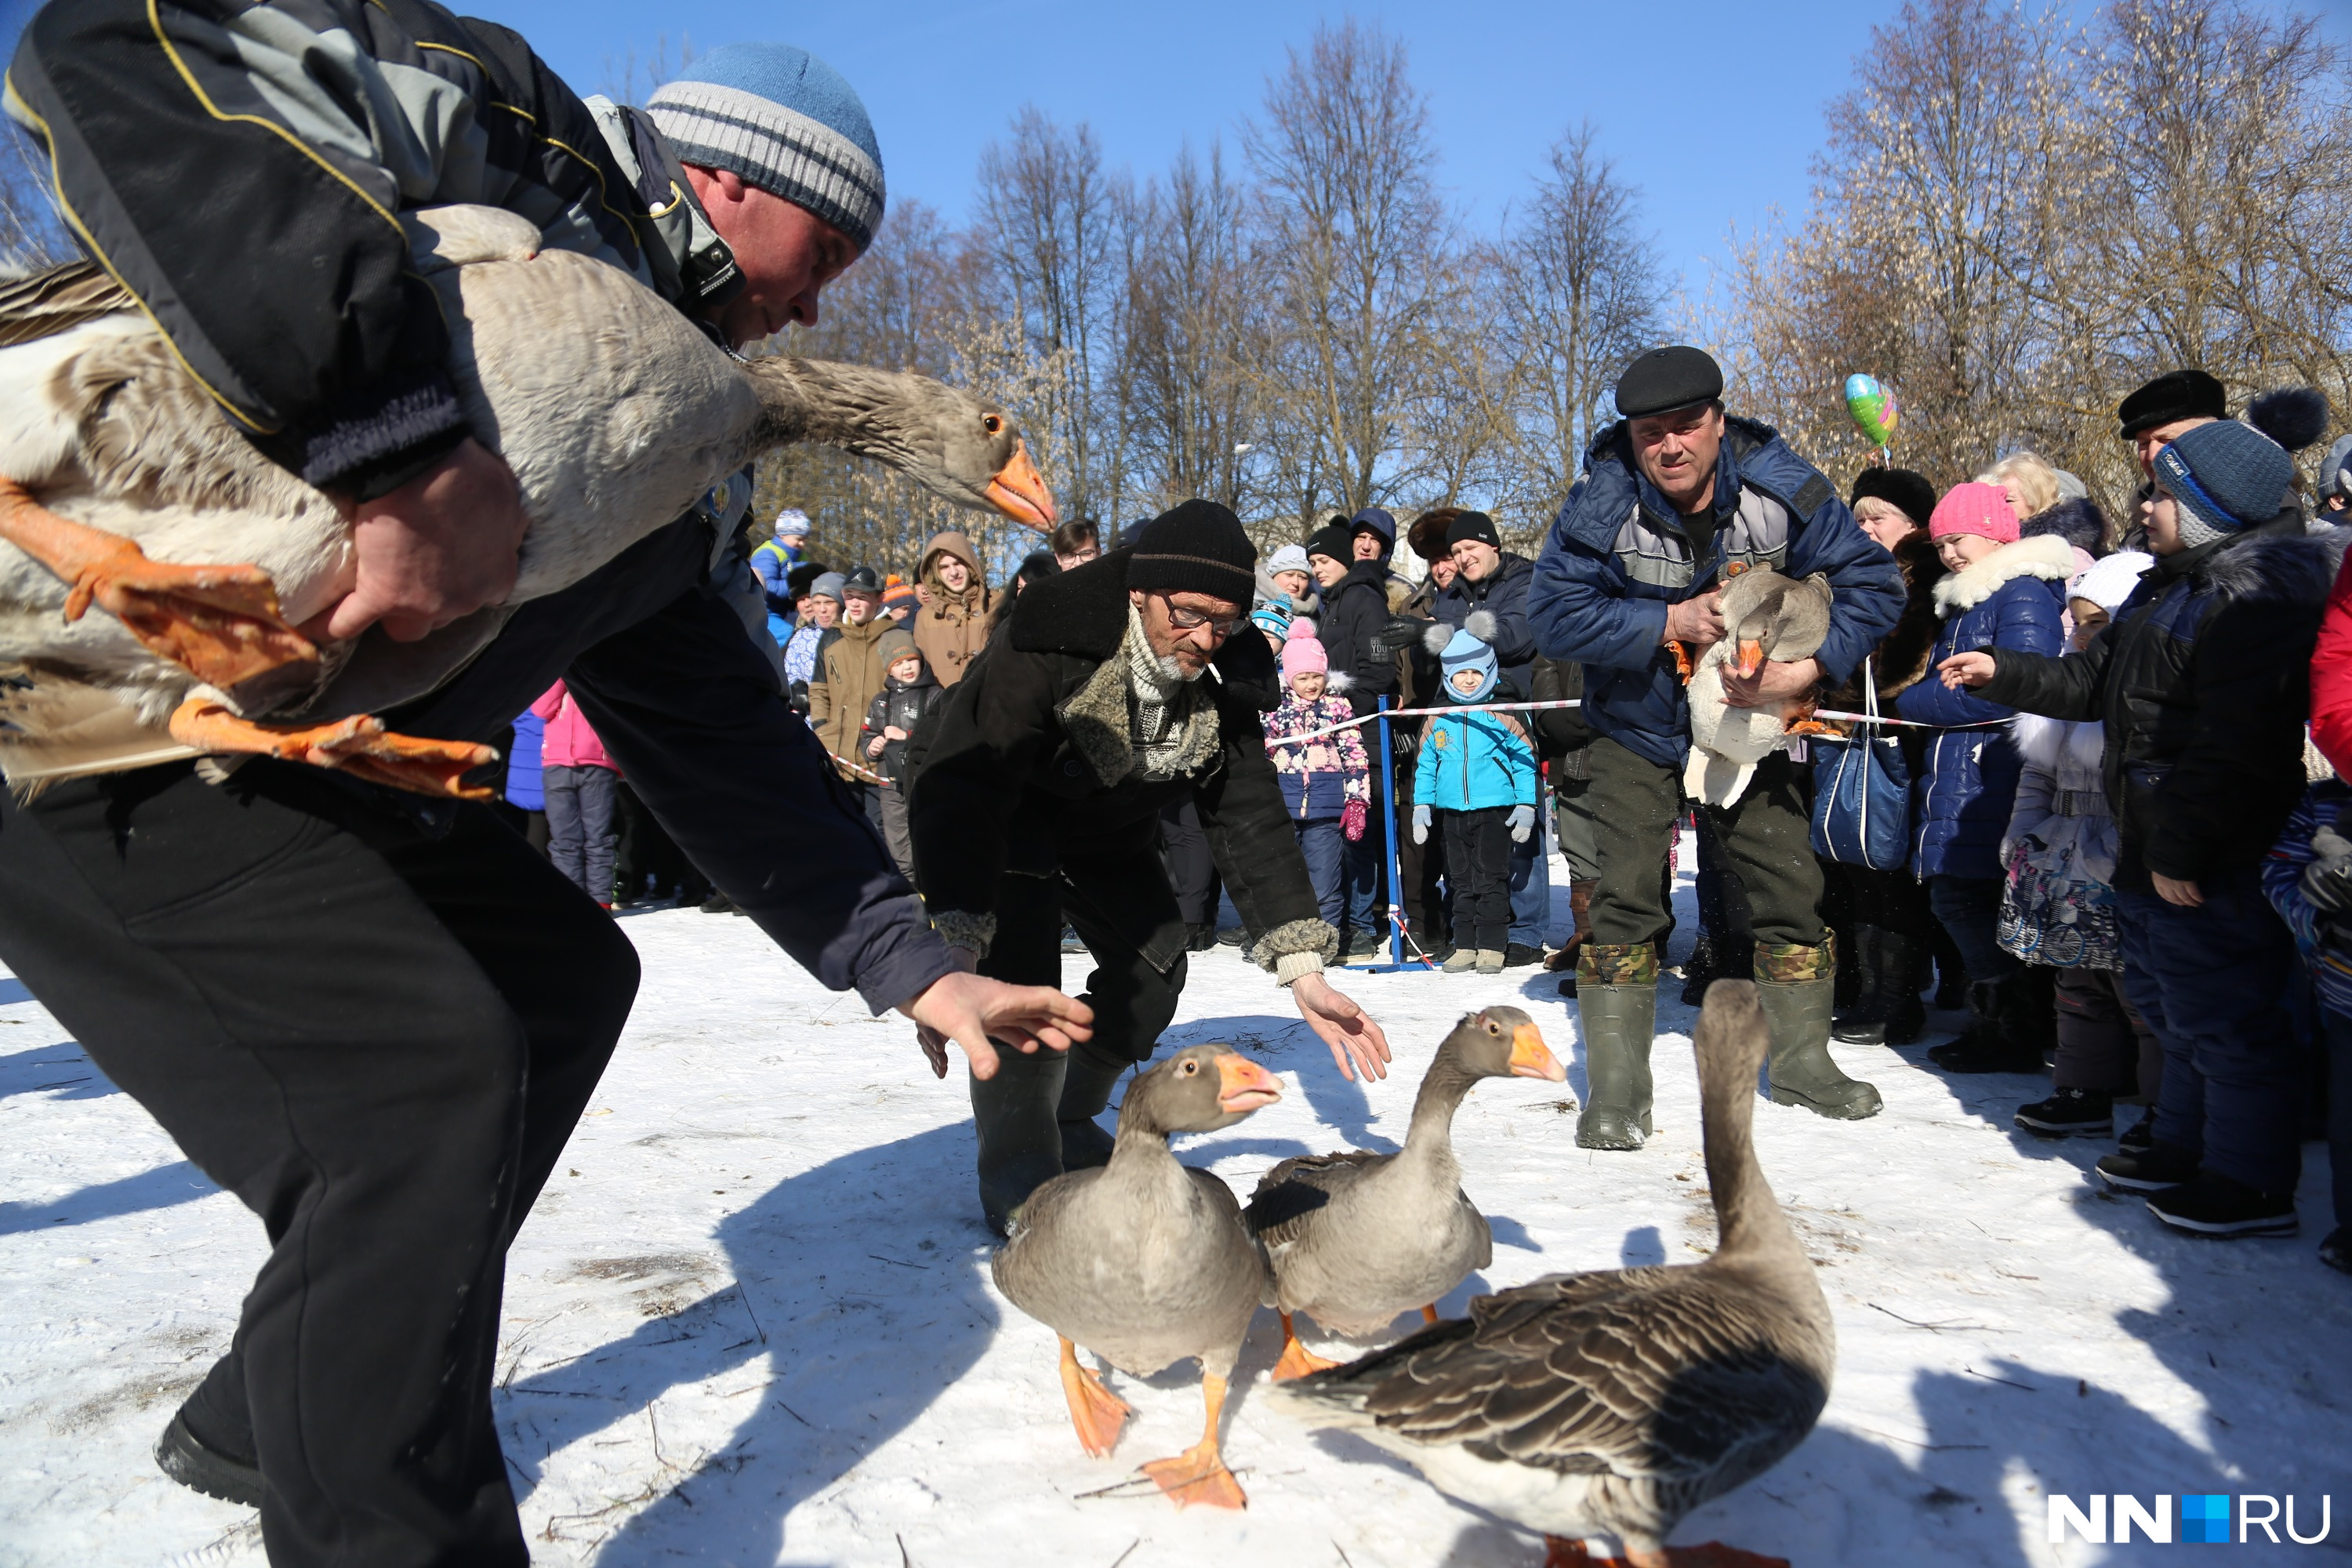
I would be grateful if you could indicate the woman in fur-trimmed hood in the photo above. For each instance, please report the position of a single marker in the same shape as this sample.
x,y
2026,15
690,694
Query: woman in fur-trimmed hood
x,y
1035,795
960,608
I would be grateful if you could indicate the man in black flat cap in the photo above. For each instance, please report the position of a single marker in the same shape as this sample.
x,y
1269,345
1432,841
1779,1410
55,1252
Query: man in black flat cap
x,y
1675,497
1036,799
2155,415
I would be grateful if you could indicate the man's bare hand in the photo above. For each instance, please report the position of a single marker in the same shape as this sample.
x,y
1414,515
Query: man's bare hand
x,y
2185,893
1698,622
1966,669
1355,1041
433,550
1774,681
981,1014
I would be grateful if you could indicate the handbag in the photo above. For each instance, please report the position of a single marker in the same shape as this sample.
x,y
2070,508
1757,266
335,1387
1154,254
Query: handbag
x,y
1862,793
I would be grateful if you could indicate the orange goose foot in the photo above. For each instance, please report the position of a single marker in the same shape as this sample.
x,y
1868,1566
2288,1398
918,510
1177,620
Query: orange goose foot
x,y
1561,1551
1297,1360
1197,1475
1095,1411
359,745
1429,1314
220,624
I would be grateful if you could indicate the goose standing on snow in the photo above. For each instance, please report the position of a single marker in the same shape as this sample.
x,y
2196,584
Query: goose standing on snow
x,y
1353,1239
123,484
1145,1261
1765,616
1614,1403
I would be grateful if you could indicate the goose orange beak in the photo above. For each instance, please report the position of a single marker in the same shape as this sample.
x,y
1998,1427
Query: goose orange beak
x,y
1243,1086
1749,658
1530,1058
1020,491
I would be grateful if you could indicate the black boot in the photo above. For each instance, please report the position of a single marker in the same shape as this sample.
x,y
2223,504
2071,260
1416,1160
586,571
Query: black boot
x,y
2069,1113
1861,1020
208,1445
1015,1119
1988,1045
1087,1080
1700,970
1902,1020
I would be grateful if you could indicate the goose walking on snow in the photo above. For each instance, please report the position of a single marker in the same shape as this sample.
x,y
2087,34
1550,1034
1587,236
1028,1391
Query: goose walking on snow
x,y
123,486
1614,1403
1765,616
1355,1239
1146,1262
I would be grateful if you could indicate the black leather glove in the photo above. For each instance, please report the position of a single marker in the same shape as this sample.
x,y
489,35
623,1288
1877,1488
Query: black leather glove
x,y
2327,880
1401,632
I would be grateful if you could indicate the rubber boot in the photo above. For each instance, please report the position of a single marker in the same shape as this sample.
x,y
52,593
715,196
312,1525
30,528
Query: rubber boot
x,y
1617,1009
1014,1118
1087,1080
1991,1042
1794,985
1863,1022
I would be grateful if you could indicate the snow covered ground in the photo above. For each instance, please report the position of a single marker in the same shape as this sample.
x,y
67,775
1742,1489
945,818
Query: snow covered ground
x,y
751,1320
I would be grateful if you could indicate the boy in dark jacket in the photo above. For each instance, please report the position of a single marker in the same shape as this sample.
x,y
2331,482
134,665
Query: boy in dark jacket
x,y
2309,879
909,691
2201,681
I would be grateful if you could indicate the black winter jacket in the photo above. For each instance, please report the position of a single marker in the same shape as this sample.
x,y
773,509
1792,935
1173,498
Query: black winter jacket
x,y
898,707
2202,682
1503,595
1027,766
1354,609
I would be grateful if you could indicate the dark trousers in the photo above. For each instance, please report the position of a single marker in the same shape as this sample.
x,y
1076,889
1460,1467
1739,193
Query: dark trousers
x,y
1969,908
1766,838
1124,911
379,1039
1478,868
1890,900
2103,1044
1722,897
581,805
2336,1032
1367,859
648,861
1326,848
2212,982
1192,869
1420,867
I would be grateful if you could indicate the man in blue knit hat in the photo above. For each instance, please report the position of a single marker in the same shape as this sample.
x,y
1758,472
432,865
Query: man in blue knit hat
x,y
376,1019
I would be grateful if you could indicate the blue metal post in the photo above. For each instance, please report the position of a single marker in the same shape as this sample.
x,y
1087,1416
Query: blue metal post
x,y
1396,879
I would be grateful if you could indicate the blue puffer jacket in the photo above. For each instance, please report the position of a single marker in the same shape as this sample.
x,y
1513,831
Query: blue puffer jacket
x,y
1616,558
1473,761
1962,798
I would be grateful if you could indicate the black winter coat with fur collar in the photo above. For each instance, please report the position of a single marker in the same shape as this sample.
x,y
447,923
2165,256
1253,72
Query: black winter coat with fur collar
x,y
1026,767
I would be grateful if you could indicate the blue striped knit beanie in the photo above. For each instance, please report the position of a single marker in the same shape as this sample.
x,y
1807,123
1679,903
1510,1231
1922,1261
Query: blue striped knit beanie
x,y
2226,477
783,119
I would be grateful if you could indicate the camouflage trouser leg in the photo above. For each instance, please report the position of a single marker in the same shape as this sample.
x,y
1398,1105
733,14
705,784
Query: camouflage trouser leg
x,y
1765,836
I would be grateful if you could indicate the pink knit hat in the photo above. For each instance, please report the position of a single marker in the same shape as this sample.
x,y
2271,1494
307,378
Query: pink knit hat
x,y
1980,510
1302,654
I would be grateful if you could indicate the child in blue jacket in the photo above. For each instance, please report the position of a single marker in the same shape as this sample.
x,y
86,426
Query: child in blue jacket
x,y
2308,879
1478,771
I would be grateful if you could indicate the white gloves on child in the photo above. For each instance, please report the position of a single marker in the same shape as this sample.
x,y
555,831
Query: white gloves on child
x,y
1421,825
1521,822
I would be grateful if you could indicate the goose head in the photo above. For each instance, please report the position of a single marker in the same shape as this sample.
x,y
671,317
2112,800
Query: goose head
x,y
1766,615
1501,1042
1201,1088
961,446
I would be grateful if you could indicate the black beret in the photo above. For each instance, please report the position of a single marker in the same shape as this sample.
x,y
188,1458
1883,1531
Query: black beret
x,y
1333,540
1903,488
2175,394
1474,525
1667,378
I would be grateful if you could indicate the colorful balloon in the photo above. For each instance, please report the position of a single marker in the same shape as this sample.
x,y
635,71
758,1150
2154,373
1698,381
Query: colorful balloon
x,y
1873,409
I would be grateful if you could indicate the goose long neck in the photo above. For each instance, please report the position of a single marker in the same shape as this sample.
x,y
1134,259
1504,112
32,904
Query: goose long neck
x,y
831,405
1747,1216
1430,1135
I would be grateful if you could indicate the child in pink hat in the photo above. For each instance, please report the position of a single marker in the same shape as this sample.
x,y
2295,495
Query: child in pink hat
x,y
1327,781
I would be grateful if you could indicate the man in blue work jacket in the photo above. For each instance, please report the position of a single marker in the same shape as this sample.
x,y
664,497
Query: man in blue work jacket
x,y
1675,497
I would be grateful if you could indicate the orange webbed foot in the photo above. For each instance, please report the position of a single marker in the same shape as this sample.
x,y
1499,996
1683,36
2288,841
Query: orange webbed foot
x,y
220,624
1682,664
1197,1476
1429,1313
1297,1360
1561,1551
359,745
1096,1413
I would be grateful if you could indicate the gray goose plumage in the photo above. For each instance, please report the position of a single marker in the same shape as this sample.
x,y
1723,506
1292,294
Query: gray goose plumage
x,y
123,482
1765,616
1353,1239
1145,1261
1614,1403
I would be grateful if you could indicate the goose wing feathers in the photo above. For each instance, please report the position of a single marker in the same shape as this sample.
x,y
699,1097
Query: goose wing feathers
x,y
1657,1373
58,299
1299,1187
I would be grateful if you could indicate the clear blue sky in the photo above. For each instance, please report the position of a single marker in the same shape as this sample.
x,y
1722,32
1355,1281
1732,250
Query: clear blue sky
x,y
1714,107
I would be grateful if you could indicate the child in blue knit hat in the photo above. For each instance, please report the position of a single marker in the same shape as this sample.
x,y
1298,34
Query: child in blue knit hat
x,y
1477,772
